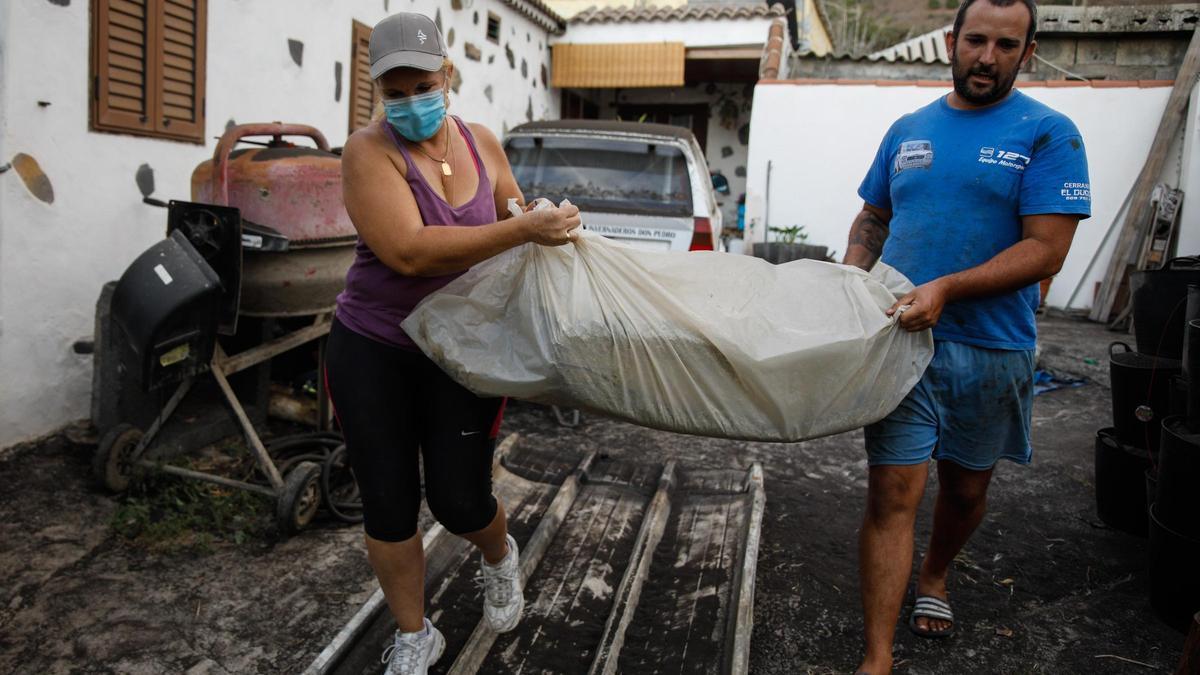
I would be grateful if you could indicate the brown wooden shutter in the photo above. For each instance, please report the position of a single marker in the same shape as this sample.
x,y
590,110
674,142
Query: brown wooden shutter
x,y
362,87
179,105
121,98
148,67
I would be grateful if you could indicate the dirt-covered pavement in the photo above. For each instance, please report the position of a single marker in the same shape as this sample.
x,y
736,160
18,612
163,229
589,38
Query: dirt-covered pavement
x,y
1043,586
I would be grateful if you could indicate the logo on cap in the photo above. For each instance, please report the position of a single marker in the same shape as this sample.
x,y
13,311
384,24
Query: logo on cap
x,y
421,36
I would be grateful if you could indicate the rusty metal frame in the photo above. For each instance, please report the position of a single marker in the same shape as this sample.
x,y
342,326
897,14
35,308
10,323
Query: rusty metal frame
x,y
221,366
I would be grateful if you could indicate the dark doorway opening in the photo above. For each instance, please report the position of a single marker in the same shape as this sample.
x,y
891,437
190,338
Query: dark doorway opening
x,y
693,117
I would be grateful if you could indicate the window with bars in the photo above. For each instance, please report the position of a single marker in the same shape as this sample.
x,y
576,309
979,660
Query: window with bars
x,y
148,67
362,87
493,28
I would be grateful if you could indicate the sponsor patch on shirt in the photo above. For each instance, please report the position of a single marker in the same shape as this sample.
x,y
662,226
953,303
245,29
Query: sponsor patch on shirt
x,y
1002,157
914,155
1076,192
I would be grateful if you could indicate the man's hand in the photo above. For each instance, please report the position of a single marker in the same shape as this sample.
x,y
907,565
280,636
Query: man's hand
x,y
927,301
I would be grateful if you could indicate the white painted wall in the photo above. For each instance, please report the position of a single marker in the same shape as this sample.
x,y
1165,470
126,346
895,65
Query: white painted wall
x,y
694,33
54,257
1189,236
820,140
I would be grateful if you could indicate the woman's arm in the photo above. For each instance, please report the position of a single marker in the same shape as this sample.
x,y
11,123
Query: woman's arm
x,y
385,213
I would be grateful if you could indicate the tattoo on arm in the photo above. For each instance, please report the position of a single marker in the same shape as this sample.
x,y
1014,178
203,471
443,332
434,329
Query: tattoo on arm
x,y
869,232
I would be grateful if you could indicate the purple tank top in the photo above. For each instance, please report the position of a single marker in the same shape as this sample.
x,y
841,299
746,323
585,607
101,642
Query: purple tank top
x,y
377,298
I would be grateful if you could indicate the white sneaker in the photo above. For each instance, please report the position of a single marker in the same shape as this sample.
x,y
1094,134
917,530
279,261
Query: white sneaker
x,y
502,598
413,653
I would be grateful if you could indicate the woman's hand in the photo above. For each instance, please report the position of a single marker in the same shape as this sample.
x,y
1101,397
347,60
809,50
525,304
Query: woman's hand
x,y
553,226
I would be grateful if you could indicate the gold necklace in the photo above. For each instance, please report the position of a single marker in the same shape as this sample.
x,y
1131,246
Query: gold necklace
x,y
445,154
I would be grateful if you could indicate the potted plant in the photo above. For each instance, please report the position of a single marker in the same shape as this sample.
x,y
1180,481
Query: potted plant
x,y
789,245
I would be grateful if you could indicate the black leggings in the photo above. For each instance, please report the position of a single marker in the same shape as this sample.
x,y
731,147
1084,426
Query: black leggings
x,y
393,403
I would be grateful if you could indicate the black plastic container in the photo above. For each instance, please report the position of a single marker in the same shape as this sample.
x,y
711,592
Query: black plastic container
x,y
1151,487
168,303
1121,483
1160,305
1178,496
1174,581
1179,395
1141,394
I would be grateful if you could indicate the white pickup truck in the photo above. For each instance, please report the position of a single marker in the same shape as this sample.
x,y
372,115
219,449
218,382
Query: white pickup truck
x,y
643,184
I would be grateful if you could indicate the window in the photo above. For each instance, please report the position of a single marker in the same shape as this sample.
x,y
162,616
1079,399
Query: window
x,y
603,175
362,87
493,28
148,67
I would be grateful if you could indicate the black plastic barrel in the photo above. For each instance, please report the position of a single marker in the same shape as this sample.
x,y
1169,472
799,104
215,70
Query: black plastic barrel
x,y
1141,394
1160,305
1174,583
1151,487
1120,483
1179,395
1178,498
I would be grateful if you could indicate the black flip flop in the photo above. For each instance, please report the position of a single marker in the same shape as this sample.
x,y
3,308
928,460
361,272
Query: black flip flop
x,y
930,607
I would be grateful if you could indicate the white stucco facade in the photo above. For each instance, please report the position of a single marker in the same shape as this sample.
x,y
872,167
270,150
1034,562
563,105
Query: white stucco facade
x,y
54,257
820,139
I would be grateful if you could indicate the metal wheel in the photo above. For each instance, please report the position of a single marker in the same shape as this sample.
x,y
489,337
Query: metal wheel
x,y
113,463
298,501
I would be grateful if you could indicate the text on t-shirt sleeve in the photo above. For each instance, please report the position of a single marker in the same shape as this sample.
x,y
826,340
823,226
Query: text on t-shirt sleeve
x,y
1056,180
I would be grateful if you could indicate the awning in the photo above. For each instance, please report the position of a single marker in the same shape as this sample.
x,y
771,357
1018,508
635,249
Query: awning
x,y
637,64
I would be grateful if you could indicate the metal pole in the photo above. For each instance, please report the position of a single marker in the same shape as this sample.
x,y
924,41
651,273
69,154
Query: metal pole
x,y
163,416
208,478
256,444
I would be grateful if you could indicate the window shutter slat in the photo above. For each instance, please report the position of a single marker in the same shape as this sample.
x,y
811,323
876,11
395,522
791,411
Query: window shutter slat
x,y
179,75
177,24
179,37
176,49
128,76
174,9
136,9
134,50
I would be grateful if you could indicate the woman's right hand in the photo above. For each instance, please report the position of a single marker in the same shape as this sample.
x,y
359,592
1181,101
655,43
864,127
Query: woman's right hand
x,y
553,226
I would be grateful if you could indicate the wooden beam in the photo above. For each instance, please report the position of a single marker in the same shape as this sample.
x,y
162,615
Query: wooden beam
x,y
637,571
1138,219
754,53
738,642
480,643
1190,662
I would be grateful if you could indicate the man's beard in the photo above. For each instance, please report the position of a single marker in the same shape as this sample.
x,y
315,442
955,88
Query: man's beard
x,y
1002,83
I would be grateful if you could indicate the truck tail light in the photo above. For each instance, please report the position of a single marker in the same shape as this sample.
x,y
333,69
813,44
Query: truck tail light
x,y
702,235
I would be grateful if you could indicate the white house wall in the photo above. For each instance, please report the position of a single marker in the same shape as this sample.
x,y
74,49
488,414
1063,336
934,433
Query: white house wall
x,y
690,33
820,140
54,257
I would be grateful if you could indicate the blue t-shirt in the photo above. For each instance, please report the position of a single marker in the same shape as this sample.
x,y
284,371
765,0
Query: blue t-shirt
x,y
957,183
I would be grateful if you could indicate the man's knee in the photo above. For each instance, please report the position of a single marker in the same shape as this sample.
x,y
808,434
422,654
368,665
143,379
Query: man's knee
x,y
894,492
964,498
963,489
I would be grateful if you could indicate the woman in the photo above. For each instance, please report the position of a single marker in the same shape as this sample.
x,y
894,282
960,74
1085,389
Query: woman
x,y
428,195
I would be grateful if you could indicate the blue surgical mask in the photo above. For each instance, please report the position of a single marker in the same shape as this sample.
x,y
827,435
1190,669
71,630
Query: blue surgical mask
x,y
419,117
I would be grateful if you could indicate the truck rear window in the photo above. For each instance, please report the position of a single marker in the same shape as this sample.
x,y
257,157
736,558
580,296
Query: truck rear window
x,y
603,175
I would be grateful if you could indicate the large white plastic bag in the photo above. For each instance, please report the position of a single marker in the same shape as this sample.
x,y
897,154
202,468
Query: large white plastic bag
x,y
703,343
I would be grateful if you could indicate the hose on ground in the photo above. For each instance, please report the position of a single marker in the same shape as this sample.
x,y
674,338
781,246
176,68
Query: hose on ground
x,y
339,491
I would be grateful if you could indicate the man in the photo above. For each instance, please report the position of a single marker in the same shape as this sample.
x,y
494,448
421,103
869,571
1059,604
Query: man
x,y
975,198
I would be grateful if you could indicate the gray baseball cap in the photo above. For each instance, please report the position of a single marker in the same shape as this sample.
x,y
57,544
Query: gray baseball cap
x,y
406,40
